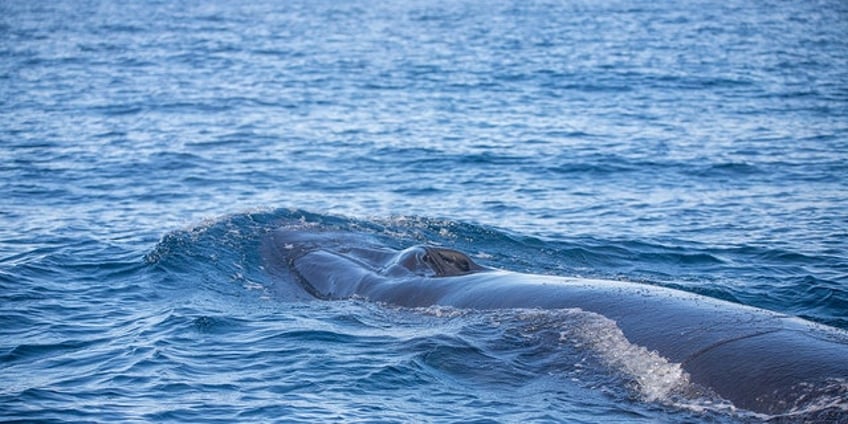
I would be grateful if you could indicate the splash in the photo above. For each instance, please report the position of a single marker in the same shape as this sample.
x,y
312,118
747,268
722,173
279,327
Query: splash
x,y
657,379
826,403
653,377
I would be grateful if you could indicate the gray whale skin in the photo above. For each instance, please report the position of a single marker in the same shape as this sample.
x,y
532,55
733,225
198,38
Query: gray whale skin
x,y
759,360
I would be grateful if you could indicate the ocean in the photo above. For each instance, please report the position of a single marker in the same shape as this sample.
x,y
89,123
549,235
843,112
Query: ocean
x,y
146,148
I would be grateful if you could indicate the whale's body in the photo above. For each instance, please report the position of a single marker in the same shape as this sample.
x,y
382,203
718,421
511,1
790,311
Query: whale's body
x,y
759,360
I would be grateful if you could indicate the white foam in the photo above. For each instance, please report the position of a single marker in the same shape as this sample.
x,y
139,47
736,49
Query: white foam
x,y
832,397
439,311
656,378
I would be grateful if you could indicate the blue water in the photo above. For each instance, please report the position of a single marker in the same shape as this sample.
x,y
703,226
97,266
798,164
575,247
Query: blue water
x,y
146,147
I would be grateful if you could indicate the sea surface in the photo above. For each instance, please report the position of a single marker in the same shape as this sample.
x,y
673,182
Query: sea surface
x,y
147,146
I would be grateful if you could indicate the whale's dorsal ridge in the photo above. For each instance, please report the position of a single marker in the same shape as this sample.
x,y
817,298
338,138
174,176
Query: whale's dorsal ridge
x,y
448,262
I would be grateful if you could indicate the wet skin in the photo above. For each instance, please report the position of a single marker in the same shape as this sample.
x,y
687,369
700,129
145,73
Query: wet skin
x,y
759,360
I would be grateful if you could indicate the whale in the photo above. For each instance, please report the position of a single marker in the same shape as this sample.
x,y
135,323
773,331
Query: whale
x,y
760,361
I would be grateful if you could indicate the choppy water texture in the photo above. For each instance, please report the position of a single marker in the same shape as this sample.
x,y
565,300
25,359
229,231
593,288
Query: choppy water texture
x,y
146,147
